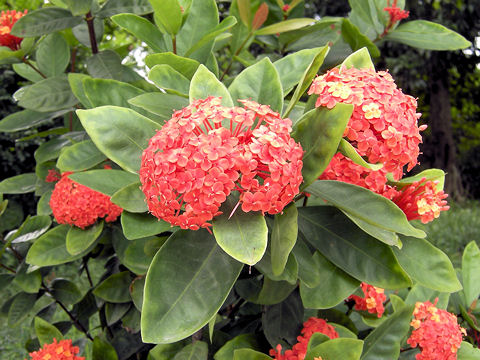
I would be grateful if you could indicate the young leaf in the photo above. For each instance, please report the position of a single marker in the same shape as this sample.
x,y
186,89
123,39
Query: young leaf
x,y
360,59
46,332
167,78
205,84
349,151
437,175
186,67
284,26
471,272
169,13
260,16
245,12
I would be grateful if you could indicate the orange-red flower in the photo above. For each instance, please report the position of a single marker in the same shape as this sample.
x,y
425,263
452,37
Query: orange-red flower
x,y
299,350
206,150
436,332
76,204
7,20
396,14
372,301
62,350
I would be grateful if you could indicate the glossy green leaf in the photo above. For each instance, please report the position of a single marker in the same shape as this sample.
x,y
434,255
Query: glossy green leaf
x,y
53,55
345,349
113,7
349,248
428,35
197,284
106,181
43,205
284,26
20,184
195,351
384,342
437,175
114,289
76,84
121,134
102,350
26,119
365,205
185,66
468,352
167,78
79,240
249,354
169,14
48,95
343,331
241,235
316,339
142,29
46,332
428,265
470,272
308,264
360,59
260,83
204,84
44,21
109,92
135,255
334,287
160,104
106,64
319,132
284,236
136,226
80,156
131,198
31,229
356,39
20,308
136,292
349,151
238,342
65,291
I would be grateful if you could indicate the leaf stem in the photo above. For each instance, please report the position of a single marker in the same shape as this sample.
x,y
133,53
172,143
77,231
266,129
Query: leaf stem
x,y
85,266
8,268
25,60
91,32
250,34
174,44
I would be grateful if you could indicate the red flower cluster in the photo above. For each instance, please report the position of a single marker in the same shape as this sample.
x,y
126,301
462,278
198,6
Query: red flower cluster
x,y
436,332
206,150
372,301
384,129
7,20
62,350
299,350
396,14
76,204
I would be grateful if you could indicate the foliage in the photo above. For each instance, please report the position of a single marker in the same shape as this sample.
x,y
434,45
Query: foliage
x,y
206,145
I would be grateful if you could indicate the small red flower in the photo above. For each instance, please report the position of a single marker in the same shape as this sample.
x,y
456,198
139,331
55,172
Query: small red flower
x,y
396,14
76,204
299,350
206,150
7,20
62,350
436,332
372,301
285,8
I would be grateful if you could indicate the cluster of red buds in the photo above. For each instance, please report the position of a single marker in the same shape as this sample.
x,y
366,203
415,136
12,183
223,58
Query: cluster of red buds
x,y
372,301
62,350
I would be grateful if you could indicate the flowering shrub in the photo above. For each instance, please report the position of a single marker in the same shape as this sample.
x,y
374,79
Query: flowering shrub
x,y
62,350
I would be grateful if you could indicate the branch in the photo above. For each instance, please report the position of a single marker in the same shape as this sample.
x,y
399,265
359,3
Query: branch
x,y
91,32
33,67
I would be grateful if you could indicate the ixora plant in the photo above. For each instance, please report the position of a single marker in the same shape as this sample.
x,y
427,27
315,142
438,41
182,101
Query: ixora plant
x,y
264,210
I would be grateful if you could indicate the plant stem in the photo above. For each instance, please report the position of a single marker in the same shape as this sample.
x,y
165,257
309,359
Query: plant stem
x,y
33,67
85,266
8,268
74,58
250,34
174,44
91,32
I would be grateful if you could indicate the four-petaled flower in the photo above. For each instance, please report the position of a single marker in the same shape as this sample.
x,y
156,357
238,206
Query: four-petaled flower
x,y
7,20
62,350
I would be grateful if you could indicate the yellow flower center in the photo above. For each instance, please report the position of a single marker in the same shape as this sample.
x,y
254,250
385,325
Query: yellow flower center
x,y
4,30
371,111
424,207
340,90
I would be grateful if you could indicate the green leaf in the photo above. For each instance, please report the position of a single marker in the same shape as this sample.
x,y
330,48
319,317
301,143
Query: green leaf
x,y
245,12
349,248
284,236
292,67
345,349
142,29
335,286
102,350
343,331
238,342
428,35
20,184
50,248
79,240
82,33
316,339
470,272
368,12
131,198
260,83
136,226
114,312
80,156
29,282
136,291
76,84
165,351
109,92
169,14
284,26
114,289
386,236
349,151
160,104
44,21
65,291
20,308
308,265
384,342
429,174
107,182
196,351
53,55
468,352
49,95
51,149
356,39
319,132
27,72
249,354
186,67
46,332
106,65
197,284
289,273
242,235
136,255
365,205
113,7
78,7
121,134
428,265
31,229
204,84
167,78
26,119
421,293
43,205
273,292
360,59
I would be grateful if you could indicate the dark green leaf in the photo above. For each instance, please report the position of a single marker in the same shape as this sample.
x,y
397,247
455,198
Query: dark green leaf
x,y
249,354
31,229
114,312
136,292
345,349
51,149
80,156
79,240
238,342
284,236
53,55
167,78
186,67
82,33
46,332
20,308
102,350
20,184
26,119
308,265
273,292
29,282
136,226
113,7
205,84
49,95
197,284
106,64
289,273
196,351
107,181
470,272
160,104
114,289
386,236
65,291
356,39
131,198
142,29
